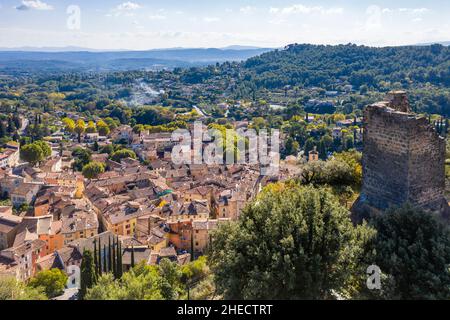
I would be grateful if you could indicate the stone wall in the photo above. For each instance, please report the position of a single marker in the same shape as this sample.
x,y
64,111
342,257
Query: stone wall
x,y
403,158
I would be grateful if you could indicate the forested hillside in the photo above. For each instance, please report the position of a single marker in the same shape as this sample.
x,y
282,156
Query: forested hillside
x,y
422,70
359,65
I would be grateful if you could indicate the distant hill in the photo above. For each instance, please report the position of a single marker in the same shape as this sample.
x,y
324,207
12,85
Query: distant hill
x,y
321,65
444,43
49,59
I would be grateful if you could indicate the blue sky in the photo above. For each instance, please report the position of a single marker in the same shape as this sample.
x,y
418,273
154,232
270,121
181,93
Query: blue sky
x,y
147,24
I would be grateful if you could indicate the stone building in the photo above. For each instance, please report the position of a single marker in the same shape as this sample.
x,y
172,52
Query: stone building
x,y
403,160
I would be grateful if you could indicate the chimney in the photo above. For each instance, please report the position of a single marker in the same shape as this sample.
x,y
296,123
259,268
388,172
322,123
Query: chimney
x,y
398,100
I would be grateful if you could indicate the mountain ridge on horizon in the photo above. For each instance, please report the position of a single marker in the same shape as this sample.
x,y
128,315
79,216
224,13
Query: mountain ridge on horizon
x,y
51,49
23,62
26,62
56,49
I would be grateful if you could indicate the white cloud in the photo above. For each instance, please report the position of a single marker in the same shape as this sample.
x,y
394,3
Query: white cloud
x,y
34,4
157,17
302,9
127,6
124,9
274,10
211,19
413,11
247,9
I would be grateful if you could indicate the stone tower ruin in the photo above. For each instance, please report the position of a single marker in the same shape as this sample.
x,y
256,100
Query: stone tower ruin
x,y
403,160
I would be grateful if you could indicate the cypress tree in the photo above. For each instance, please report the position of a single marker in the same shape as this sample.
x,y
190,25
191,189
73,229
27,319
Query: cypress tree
x,y
109,256
2,129
322,150
132,256
105,262
16,120
100,267
95,257
114,262
210,242
88,275
192,246
11,126
119,259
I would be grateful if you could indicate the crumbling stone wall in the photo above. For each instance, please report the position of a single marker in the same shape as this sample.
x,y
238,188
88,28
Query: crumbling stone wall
x,y
403,158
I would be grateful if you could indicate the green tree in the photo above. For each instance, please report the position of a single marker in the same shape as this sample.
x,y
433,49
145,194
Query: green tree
x,y
69,125
46,149
291,243
112,124
109,149
100,264
325,144
122,154
170,279
11,289
52,281
119,266
309,145
102,128
2,130
292,147
110,257
96,263
344,169
80,128
82,158
88,274
413,251
32,153
91,128
114,258
11,126
93,169
105,289
140,283
105,260
132,263
95,146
